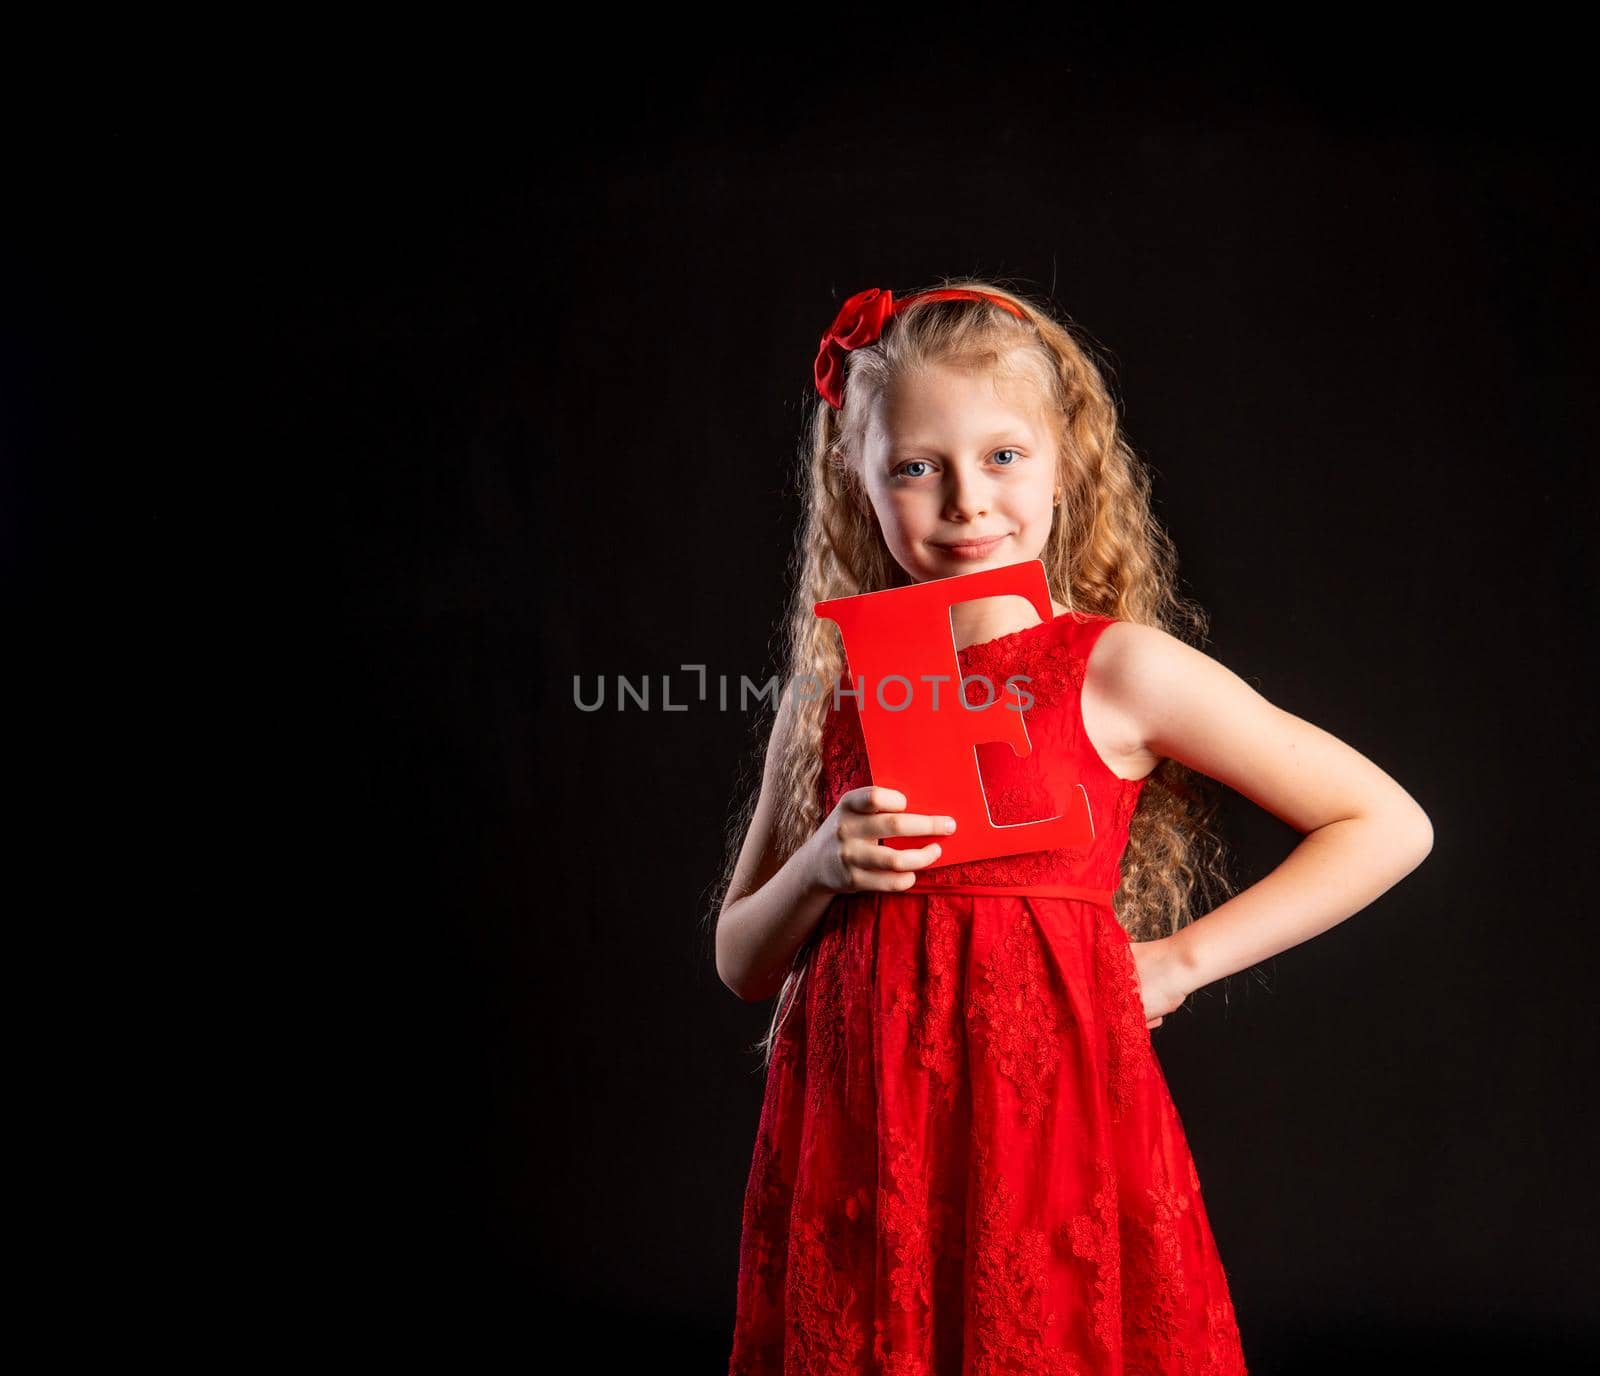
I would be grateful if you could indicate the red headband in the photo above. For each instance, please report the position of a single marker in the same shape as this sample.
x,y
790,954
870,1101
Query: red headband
x,y
861,320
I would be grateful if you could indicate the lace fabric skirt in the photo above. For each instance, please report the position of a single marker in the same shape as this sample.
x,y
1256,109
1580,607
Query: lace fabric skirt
x,y
968,1160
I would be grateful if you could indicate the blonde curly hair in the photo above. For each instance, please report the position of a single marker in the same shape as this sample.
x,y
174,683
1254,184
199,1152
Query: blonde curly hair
x,y
1105,553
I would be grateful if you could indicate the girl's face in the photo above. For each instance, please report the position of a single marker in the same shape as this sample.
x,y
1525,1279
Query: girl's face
x,y
961,473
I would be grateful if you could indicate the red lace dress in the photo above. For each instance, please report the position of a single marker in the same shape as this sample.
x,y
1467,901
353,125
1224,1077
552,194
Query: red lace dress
x,y
968,1161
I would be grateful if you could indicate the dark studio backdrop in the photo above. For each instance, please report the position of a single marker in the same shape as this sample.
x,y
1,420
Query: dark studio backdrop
x,y
530,372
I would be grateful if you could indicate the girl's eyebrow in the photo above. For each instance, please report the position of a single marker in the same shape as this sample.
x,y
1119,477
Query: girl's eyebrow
x,y
1019,434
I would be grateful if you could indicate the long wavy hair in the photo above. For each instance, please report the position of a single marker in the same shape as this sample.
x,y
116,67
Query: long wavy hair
x,y
1105,554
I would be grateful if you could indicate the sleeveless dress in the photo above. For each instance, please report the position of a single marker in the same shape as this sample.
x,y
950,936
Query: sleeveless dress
x,y
968,1161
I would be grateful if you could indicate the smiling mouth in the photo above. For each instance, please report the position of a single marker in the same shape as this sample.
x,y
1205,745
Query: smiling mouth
x,y
968,546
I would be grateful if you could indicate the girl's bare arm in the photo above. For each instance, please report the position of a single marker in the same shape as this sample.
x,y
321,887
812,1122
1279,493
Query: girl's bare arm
x,y
773,901
1363,832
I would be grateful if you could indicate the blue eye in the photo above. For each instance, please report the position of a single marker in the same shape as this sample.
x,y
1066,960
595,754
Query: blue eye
x,y
901,472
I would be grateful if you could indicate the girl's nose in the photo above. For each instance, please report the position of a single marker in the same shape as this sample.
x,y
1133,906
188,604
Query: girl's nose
x,y
966,499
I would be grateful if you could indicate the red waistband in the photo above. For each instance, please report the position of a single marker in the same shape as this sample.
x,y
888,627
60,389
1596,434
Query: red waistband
x,y
1102,896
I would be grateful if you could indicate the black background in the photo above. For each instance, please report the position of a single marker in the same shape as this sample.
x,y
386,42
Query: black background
x,y
358,404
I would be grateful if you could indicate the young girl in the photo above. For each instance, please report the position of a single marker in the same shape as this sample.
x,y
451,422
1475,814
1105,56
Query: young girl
x,y
968,1160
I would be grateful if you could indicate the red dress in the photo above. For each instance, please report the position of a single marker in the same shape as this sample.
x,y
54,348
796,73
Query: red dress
x,y
968,1161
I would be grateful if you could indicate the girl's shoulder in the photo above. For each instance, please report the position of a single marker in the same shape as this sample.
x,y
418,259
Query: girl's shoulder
x,y
1120,654
1145,684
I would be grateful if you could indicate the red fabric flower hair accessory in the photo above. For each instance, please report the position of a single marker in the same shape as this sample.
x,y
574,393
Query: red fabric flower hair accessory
x,y
862,319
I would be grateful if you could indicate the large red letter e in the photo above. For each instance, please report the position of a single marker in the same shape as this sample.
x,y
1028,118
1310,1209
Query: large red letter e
x,y
901,653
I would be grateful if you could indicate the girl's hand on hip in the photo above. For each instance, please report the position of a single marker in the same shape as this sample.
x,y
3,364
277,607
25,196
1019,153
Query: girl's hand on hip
x,y
1162,979
846,856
